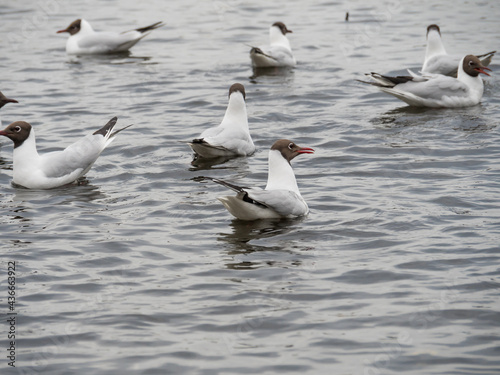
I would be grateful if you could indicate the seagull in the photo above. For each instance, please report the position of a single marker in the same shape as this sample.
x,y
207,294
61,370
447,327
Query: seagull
x,y
280,199
278,53
53,169
83,40
438,61
436,90
4,100
231,137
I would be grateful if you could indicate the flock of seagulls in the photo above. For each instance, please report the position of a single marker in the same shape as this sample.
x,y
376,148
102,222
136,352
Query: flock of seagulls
x,y
444,81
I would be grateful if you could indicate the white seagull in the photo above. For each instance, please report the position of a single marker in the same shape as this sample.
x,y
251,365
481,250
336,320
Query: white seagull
x,y
436,90
231,137
83,40
57,168
438,61
278,53
4,100
280,199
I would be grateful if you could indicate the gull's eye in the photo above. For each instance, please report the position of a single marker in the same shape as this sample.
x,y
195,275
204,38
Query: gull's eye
x,y
17,129
290,146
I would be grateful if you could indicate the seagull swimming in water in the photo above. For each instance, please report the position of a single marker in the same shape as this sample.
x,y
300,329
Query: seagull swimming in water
x,y
436,90
231,137
437,61
278,53
83,40
57,168
280,199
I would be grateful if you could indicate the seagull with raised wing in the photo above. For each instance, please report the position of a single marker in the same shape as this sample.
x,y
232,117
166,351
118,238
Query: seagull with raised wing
x,y
436,90
437,61
4,100
232,136
278,53
57,168
83,40
280,199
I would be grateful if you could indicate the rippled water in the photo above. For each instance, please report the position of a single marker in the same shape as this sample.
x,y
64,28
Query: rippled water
x,y
142,270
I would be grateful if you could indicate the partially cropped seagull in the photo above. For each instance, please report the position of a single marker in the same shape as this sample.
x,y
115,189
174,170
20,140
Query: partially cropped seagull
x,y
278,53
231,137
4,100
83,40
280,199
436,90
438,61
53,169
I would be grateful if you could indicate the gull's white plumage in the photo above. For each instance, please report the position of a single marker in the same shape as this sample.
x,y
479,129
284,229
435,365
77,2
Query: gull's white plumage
x,y
57,168
83,40
278,53
436,90
232,136
281,197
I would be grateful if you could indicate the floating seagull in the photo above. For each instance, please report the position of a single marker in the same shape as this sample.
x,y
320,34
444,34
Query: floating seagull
x,y
278,53
231,137
438,61
53,169
281,197
4,100
436,90
83,40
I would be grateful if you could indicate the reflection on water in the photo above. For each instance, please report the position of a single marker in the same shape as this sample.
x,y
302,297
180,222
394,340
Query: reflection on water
x,y
245,231
118,58
69,194
249,241
278,75
199,163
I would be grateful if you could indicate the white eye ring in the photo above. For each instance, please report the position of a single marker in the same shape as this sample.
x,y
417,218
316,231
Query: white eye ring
x,y
290,146
17,129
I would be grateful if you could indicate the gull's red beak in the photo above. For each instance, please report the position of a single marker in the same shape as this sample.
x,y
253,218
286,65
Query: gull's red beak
x,y
305,150
62,31
11,100
482,70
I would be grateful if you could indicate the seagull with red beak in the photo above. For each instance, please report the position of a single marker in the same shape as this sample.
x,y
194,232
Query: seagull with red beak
x,y
280,199
436,90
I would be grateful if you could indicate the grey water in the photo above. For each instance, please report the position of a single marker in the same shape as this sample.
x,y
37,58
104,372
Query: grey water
x,y
142,271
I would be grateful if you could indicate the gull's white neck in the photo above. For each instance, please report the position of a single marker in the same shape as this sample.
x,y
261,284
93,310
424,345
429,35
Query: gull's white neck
x,y
276,37
434,45
85,28
236,112
26,156
281,174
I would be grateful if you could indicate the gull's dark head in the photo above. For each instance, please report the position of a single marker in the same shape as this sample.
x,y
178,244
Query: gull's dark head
x,y
433,27
473,66
18,132
282,27
73,28
290,150
4,100
237,87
